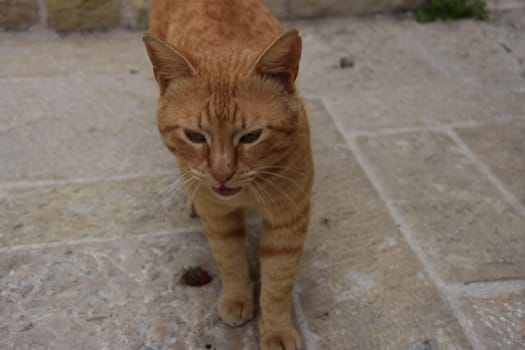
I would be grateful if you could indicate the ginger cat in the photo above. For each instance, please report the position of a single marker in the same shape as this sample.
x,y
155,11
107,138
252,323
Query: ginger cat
x,y
229,111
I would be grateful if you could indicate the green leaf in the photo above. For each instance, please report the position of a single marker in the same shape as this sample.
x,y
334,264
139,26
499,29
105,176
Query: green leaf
x,y
432,10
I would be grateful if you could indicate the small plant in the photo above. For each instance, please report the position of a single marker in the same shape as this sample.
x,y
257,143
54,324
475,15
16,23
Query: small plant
x,y
433,10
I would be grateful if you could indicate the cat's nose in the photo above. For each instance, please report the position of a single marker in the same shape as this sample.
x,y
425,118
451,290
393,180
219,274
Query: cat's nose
x,y
223,175
222,165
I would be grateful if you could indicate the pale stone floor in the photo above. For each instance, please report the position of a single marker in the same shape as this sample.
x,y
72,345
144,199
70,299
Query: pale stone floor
x,y
417,239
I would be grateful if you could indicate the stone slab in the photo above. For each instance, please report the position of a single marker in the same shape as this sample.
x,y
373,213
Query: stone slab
x,y
279,8
484,53
65,15
497,320
393,79
428,103
325,41
314,8
115,294
50,130
510,37
510,18
87,210
374,49
503,5
360,285
502,148
366,269
356,264
119,53
134,14
463,224
18,14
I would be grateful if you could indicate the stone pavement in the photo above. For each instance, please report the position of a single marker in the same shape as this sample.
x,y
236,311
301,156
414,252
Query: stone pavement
x,y
417,239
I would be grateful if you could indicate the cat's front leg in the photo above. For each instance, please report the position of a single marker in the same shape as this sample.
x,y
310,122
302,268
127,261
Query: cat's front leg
x,y
280,252
226,235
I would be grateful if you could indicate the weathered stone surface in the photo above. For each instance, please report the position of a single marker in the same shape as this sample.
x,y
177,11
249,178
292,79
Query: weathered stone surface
x,y
66,135
486,55
134,14
502,147
278,7
460,220
498,321
428,103
116,294
120,53
501,5
314,8
18,14
511,20
141,9
360,285
67,15
100,209
511,29
354,249
395,81
377,48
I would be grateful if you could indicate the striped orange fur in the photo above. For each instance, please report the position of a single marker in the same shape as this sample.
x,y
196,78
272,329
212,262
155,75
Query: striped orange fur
x,y
228,109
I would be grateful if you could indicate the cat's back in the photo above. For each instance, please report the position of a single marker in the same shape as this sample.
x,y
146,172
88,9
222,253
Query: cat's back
x,y
210,25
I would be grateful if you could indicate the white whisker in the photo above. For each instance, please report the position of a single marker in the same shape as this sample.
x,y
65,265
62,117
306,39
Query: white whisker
x,y
188,204
295,183
170,187
279,190
171,194
256,195
263,191
297,170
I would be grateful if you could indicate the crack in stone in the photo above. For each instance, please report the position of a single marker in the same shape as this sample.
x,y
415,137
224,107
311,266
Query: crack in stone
x,y
494,280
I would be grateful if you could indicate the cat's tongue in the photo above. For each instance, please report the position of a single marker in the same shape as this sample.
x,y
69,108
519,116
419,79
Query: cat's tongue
x,y
226,191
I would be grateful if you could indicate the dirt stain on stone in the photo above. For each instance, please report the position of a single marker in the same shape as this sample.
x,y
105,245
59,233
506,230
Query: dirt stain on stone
x,y
325,222
27,327
426,344
195,277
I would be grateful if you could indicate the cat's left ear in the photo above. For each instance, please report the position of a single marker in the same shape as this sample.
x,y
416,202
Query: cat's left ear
x,y
280,60
168,63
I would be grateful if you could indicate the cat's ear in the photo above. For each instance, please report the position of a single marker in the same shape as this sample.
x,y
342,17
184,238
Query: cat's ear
x,y
168,63
280,60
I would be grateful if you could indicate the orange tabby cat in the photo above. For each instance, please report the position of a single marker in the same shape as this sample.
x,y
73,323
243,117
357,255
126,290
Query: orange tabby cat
x,y
229,111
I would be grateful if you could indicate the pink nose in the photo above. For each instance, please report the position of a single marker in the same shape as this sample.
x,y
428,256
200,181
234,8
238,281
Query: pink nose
x,y
222,165
222,176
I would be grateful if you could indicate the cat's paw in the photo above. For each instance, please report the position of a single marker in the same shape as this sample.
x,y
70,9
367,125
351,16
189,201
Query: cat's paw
x,y
236,311
284,338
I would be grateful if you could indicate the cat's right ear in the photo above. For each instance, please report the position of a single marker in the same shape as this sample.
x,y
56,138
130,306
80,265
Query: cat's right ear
x,y
168,63
280,60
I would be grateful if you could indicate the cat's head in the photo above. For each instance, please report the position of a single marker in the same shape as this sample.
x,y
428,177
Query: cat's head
x,y
230,125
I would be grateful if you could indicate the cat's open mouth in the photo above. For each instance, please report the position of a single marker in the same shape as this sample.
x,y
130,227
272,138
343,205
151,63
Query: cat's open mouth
x,y
226,191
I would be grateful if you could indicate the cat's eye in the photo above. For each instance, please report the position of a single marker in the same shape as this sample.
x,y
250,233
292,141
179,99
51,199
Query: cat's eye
x,y
194,136
250,137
